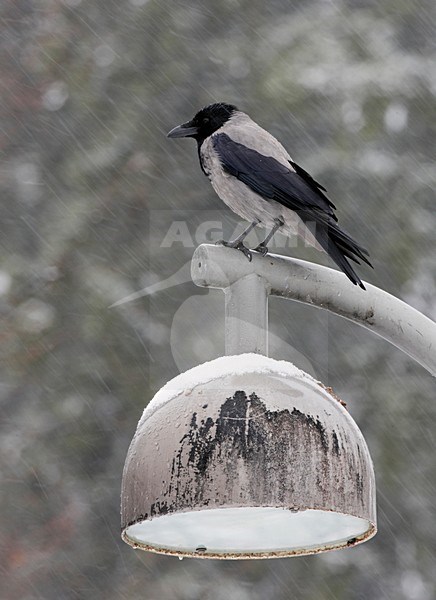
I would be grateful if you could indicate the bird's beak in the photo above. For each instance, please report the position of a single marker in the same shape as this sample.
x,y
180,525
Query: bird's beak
x,y
184,130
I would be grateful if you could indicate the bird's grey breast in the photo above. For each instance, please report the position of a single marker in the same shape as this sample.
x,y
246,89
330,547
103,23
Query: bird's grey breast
x,y
211,164
209,159
240,198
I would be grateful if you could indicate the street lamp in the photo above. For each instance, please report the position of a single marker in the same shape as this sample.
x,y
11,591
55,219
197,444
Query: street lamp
x,y
249,457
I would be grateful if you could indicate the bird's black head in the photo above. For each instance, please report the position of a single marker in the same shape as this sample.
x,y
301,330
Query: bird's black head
x,y
206,121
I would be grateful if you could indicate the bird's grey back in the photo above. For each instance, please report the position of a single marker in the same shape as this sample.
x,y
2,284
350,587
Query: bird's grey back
x,y
240,128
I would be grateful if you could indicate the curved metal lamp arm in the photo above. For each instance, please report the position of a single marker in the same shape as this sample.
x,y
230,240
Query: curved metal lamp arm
x,y
387,316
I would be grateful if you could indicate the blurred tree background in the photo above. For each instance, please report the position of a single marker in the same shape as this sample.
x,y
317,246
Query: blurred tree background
x,y
90,188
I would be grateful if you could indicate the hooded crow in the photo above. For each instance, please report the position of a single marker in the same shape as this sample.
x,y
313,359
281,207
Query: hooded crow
x,y
254,175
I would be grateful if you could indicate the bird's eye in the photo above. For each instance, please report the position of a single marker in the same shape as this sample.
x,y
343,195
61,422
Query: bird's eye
x,y
206,120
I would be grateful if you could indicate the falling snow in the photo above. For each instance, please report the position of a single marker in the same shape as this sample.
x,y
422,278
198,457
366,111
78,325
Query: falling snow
x,y
97,307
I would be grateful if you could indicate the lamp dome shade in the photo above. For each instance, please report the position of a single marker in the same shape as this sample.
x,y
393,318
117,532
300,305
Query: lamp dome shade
x,y
246,457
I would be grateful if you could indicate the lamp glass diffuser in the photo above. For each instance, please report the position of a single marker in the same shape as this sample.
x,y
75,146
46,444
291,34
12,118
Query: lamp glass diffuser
x,y
247,457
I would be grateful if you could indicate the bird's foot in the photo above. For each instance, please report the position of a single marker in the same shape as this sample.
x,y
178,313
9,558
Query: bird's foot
x,y
238,246
244,251
229,244
262,249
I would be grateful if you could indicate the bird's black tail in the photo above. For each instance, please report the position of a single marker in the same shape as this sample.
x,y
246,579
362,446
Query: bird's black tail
x,y
338,245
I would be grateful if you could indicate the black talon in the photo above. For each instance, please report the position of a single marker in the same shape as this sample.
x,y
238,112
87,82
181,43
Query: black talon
x,y
237,246
247,253
262,249
244,251
230,244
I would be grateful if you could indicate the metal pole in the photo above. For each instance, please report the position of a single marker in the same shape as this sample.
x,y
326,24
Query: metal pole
x,y
376,310
246,313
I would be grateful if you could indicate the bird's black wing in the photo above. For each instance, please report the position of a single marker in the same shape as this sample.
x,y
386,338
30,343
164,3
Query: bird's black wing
x,y
308,178
296,190
268,177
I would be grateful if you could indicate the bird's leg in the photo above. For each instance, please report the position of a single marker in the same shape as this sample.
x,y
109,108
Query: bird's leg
x,y
262,247
237,243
